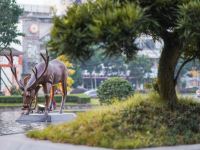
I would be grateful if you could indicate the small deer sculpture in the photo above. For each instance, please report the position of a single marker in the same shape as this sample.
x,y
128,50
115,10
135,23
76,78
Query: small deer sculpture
x,y
45,74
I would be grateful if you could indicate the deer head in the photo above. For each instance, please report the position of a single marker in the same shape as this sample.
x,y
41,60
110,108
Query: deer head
x,y
29,91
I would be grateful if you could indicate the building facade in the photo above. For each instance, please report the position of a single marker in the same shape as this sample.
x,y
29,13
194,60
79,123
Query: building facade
x,y
36,25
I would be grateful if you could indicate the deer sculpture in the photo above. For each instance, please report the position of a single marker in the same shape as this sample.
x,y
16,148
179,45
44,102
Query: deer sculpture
x,y
45,74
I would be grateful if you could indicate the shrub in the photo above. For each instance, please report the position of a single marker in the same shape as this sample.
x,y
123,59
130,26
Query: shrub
x,y
76,98
114,88
152,85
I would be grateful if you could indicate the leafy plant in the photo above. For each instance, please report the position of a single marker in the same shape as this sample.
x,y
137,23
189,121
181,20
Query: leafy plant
x,y
153,85
114,88
9,16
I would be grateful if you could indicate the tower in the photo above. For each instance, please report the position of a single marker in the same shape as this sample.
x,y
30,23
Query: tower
x,y
36,25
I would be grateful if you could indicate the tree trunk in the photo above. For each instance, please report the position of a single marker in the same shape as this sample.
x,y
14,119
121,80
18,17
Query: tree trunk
x,y
167,65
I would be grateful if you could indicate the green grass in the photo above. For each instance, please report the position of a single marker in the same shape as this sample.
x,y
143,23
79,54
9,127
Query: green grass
x,y
141,121
95,101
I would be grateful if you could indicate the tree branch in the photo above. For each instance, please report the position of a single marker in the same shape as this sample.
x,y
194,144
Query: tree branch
x,y
181,67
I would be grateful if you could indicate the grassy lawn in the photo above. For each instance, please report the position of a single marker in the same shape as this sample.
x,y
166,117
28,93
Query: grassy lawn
x,y
95,101
141,121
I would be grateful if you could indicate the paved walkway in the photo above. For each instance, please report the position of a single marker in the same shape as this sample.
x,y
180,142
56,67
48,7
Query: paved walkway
x,y
21,142
182,147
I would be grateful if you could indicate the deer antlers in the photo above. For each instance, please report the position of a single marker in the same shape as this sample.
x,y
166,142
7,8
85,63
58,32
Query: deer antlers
x,y
13,69
35,71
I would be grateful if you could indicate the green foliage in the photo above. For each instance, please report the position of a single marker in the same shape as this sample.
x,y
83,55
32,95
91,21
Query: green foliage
x,y
141,121
165,12
74,98
189,19
114,25
153,85
114,88
189,27
9,16
92,22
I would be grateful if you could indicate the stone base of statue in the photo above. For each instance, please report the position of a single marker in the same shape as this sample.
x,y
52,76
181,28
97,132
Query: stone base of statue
x,y
52,117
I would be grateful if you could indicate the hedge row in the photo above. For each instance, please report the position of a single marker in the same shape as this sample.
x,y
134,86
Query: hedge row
x,y
74,98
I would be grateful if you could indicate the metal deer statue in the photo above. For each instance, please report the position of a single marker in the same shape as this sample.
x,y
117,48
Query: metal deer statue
x,y
45,74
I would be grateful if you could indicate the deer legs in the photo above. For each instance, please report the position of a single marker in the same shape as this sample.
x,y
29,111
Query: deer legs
x,y
49,94
51,98
47,87
64,94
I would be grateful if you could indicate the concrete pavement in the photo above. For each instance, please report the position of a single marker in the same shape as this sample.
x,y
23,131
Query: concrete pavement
x,y
21,142
181,147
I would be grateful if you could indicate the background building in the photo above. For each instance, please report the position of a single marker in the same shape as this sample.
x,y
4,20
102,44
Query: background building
x,y
6,77
35,23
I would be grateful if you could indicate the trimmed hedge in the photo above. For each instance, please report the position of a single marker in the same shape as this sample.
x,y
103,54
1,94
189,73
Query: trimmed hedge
x,y
114,87
74,98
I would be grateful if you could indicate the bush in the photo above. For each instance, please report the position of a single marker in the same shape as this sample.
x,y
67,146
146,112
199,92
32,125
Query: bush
x,y
152,85
114,88
74,98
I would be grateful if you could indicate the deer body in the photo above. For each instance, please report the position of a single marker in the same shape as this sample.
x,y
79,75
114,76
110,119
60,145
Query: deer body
x,y
55,73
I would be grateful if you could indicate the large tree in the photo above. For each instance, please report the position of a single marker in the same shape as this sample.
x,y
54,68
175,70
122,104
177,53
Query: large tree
x,y
9,17
115,24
